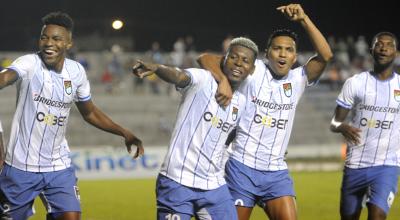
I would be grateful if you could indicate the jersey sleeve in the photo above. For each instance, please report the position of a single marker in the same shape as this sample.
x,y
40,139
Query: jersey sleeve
x,y
198,78
83,86
23,65
346,96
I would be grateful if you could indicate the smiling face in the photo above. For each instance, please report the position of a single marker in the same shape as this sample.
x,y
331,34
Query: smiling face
x,y
54,43
384,50
238,64
281,55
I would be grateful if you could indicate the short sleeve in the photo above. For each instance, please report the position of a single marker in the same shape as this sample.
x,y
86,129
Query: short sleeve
x,y
198,78
23,65
83,86
346,96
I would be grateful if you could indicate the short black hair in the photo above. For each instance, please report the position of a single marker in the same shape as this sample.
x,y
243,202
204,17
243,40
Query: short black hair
x,y
59,18
281,32
384,33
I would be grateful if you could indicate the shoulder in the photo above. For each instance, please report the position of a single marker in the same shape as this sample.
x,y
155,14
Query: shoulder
x,y
298,71
74,69
197,71
359,77
72,65
198,75
259,69
26,60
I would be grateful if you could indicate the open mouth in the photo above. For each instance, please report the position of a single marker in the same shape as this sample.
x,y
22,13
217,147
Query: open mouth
x,y
49,53
281,63
236,72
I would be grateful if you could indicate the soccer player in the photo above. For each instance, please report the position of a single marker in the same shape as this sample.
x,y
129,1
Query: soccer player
x,y
37,157
256,172
191,181
372,135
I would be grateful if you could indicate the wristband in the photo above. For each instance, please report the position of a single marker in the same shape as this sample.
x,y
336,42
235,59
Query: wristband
x,y
335,123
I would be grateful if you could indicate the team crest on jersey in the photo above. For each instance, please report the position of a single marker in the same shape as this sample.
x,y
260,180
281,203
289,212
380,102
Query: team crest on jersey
x,y
287,88
397,95
234,113
68,87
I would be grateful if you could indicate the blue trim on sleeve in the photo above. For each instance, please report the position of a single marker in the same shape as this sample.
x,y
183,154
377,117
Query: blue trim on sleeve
x,y
84,99
343,104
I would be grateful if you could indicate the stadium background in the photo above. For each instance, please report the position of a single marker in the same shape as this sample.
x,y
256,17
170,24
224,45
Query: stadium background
x,y
115,187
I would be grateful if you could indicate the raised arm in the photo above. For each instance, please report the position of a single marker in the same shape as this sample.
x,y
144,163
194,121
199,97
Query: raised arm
x,y
212,63
350,133
97,118
169,74
7,77
316,65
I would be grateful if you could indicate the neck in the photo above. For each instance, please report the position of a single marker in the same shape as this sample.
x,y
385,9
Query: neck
x,y
383,72
234,85
274,75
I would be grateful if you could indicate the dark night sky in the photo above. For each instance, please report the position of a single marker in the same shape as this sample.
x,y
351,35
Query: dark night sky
x,y
209,21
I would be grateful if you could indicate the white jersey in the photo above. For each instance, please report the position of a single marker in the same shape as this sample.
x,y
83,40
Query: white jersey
x,y
37,139
195,153
1,128
264,130
375,106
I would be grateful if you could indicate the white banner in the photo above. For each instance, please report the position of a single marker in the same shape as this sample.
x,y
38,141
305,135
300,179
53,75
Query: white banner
x,y
108,162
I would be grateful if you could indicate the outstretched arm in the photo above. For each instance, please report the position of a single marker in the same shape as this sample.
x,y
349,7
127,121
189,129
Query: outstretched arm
x,y
316,65
169,74
212,63
350,133
7,77
97,118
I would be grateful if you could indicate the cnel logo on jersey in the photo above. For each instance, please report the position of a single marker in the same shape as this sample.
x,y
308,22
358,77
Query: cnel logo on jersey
x,y
217,122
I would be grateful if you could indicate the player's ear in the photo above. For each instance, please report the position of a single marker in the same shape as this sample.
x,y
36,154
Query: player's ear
x,y
70,44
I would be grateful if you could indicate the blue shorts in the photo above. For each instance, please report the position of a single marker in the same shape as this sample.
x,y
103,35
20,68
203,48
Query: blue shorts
x,y
375,185
249,186
175,201
57,189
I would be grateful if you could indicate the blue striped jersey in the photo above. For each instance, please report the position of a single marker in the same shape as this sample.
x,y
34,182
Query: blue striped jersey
x,y
375,106
197,145
37,140
264,130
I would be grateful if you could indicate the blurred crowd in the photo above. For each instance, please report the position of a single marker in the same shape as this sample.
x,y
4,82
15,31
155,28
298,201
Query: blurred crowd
x,y
351,56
